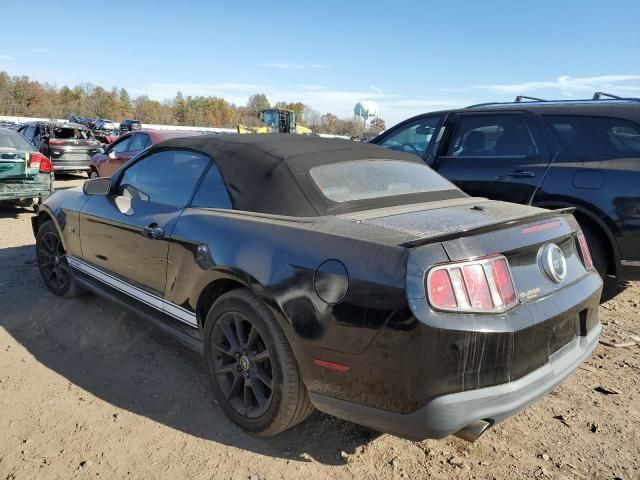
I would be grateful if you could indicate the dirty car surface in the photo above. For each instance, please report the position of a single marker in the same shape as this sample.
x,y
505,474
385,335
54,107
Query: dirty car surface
x,y
316,272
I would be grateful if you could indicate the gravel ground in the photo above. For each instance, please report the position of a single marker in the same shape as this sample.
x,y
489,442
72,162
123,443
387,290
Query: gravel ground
x,y
88,390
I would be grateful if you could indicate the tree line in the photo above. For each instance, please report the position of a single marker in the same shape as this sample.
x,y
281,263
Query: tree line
x,y
24,97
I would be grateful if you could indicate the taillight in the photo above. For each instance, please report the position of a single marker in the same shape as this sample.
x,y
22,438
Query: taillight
x,y
482,286
56,142
584,251
42,163
441,289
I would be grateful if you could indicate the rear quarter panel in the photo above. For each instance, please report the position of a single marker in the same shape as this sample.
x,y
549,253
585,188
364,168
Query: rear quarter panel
x,y
278,260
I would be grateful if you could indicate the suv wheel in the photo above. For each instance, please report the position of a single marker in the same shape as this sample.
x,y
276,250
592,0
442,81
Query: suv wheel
x,y
251,367
597,250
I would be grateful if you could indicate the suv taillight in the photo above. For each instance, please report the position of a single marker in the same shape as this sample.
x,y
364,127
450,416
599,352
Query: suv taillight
x,y
476,286
584,251
55,142
42,163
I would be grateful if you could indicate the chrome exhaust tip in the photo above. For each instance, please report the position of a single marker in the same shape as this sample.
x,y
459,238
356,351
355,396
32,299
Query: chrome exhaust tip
x,y
473,431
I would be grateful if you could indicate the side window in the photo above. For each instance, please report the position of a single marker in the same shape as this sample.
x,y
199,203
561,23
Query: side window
x,y
29,131
121,145
167,177
212,192
139,142
414,137
492,136
600,136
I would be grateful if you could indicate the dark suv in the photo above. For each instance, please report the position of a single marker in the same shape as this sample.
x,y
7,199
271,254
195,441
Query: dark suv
x,y
583,154
129,125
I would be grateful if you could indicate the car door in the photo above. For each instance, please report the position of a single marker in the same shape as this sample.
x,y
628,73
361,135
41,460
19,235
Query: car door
x,y
502,156
125,235
116,156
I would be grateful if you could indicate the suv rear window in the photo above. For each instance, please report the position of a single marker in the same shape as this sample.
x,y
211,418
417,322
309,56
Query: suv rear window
x,y
367,179
598,136
69,132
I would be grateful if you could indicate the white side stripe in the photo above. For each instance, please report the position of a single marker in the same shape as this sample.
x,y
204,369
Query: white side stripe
x,y
147,298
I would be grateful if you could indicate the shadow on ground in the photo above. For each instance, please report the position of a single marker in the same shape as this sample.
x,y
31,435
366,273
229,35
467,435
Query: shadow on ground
x,y
125,361
12,211
612,288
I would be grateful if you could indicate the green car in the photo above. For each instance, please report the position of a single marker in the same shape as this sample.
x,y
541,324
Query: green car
x,y
26,175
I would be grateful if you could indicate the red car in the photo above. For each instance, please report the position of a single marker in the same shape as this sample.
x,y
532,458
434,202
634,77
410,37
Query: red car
x,y
107,161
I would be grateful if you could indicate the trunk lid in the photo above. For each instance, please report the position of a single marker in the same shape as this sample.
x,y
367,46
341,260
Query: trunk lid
x,y
15,164
472,227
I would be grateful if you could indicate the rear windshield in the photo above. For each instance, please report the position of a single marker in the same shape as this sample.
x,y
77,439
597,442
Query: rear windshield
x,y
599,136
367,179
14,141
66,132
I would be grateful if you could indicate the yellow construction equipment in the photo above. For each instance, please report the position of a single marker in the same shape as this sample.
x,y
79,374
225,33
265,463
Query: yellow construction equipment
x,y
276,120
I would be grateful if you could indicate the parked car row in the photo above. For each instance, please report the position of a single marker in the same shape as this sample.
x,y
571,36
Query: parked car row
x,y
580,154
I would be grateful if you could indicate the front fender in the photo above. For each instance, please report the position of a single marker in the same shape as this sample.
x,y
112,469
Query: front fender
x,y
63,208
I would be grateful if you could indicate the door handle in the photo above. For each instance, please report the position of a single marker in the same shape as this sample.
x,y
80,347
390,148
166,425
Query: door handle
x,y
521,174
153,231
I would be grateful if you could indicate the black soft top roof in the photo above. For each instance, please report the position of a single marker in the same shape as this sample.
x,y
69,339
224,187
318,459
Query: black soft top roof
x,y
269,173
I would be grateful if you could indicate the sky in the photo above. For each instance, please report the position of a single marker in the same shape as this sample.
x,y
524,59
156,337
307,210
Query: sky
x,y
409,57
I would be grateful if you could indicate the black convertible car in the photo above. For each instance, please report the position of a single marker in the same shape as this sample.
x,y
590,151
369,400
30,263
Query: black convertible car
x,y
336,275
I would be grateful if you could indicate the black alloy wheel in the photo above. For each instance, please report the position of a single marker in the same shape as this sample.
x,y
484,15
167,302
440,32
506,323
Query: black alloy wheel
x,y
52,262
253,372
242,364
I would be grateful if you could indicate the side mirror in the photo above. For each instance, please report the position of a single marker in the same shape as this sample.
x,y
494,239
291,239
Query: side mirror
x,y
97,186
112,155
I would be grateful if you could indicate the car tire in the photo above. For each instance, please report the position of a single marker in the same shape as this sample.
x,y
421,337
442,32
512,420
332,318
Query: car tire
x,y
597,250
245,351
52,263
93,173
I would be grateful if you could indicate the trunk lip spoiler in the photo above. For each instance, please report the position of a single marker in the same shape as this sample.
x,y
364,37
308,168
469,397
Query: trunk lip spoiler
x,y
488,228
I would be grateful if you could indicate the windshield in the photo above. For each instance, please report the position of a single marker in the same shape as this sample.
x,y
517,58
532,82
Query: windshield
x,y
367,179
14,141
73,133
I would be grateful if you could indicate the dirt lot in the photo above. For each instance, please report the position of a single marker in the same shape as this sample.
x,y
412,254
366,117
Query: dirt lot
x,y
90,391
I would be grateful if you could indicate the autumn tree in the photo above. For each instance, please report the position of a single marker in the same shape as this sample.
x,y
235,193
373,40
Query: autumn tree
x,y
377,125
126,107
329,123
21,96
257,103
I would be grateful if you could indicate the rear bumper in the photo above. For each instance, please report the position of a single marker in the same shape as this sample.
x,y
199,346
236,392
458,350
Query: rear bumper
x,y
71,167
40,186
448,414
71,160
